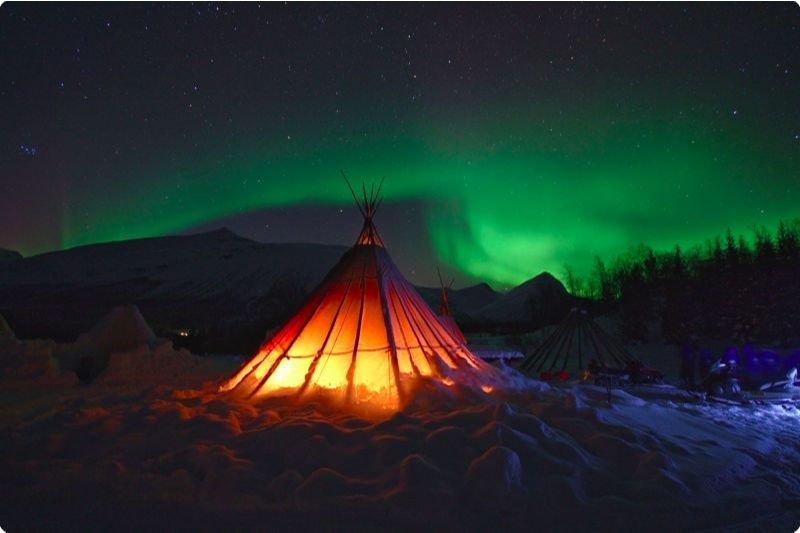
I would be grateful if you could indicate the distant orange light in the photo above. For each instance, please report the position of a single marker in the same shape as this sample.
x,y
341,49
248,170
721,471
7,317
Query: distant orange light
x,y
449,382
486,388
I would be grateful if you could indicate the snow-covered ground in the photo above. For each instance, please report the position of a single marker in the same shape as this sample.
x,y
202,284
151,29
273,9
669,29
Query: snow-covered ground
x,y
149,445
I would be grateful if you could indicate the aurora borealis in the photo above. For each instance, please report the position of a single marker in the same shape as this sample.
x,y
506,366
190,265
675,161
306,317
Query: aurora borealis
x,y
513,138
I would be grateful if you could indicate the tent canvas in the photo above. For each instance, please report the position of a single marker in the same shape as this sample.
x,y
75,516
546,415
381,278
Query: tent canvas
x,y
364,337
573,344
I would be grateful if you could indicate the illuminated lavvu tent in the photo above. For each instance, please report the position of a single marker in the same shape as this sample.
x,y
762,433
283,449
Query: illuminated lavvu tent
x,y
363,338
446,315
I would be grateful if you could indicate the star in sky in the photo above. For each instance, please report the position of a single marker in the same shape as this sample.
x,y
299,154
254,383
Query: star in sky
x,y
570,123
28,150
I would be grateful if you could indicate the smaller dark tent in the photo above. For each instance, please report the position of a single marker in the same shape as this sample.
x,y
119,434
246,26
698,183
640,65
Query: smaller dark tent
x,y
576,342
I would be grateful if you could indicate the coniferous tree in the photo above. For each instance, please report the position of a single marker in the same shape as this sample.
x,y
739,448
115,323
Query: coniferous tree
x,y
717,254
575,284
793,230
678,265
732,287
787,241
636,302
731,253
742,250
650,267
603,280
765,249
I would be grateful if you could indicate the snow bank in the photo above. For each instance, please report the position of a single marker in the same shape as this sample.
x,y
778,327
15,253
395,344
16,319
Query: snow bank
x,y
31,363
120,351
538,457
123,328
145,364
490,353
5,329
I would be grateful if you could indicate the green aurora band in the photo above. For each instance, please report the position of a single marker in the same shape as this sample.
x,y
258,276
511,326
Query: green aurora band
x,y
508,194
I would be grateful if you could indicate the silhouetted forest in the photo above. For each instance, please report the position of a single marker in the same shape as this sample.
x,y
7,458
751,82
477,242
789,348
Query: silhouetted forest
x,y
734,288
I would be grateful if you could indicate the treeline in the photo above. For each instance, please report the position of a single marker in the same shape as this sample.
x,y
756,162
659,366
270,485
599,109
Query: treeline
x,y
729,272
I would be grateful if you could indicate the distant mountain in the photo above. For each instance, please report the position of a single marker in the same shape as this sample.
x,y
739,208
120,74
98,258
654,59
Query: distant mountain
x,y
540,300
463,302
216,291
213,285
9,255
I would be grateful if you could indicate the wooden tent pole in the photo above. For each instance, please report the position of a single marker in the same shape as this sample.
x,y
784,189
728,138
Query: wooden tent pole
x,y
530,362
562,346
387,319
435,333
353,192
318,356
612,343
568,346
596,347
403,333
542,351
255,365
417,333
283,355
351,370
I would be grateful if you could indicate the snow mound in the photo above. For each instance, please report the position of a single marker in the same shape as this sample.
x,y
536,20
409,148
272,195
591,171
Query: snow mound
x,y
495,476
120,351
557,459
31,363
122,329
159,364
5,329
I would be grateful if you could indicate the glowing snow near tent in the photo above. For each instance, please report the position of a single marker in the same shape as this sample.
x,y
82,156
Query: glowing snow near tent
x,y
364,338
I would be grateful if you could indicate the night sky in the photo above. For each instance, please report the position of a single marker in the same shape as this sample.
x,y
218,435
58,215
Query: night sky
x,y
513,138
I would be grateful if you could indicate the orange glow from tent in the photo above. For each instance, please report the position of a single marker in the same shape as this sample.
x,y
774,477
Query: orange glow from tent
x,y
449,382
